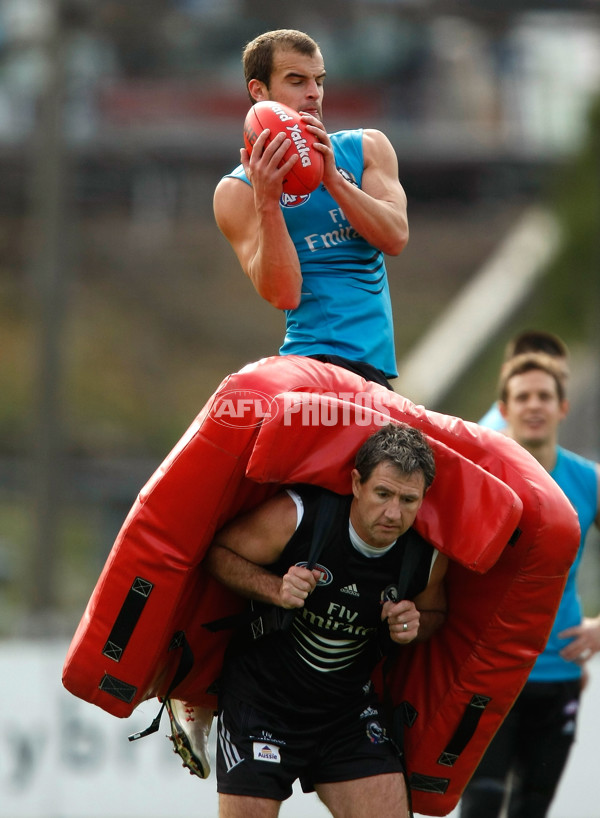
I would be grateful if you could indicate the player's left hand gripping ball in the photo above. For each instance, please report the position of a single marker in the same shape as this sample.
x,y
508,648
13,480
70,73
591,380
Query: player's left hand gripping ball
x,y
307,173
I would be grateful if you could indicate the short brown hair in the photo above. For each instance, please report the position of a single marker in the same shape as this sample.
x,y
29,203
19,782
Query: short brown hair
x,y
257,56
531,362
536,340
403,446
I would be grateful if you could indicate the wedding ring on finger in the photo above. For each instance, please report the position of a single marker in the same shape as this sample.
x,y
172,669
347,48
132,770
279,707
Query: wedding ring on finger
x,y
404,627
584,655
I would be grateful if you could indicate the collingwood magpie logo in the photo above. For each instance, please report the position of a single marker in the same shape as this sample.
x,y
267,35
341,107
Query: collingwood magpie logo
x,y
376,733
348,176
350,589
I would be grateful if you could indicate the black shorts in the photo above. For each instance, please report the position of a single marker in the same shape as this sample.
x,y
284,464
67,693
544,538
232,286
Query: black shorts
x,y
366,371
261,755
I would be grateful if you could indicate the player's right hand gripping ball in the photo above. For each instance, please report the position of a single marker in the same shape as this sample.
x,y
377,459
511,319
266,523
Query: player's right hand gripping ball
x,y
307,173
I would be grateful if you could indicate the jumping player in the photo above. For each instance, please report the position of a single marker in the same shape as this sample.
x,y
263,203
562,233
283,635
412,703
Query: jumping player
x,y
319,257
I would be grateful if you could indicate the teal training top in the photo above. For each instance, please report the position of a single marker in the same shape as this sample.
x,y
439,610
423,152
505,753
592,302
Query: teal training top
x,y
578,478
493,419
345,307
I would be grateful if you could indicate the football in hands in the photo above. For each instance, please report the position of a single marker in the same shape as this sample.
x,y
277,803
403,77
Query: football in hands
x,y
307,172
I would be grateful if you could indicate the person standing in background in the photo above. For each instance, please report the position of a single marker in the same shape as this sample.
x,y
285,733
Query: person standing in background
x,y
528,754
530,340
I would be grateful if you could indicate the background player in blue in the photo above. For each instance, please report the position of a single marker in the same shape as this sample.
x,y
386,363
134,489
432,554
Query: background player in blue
x,y
529,340
534,741
319,257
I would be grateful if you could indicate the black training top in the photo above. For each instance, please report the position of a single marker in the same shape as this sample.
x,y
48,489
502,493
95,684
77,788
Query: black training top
x,y
328,654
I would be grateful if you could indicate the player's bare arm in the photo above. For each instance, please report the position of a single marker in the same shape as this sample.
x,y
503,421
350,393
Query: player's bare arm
x,y
378,210
251,220
432,602
252,540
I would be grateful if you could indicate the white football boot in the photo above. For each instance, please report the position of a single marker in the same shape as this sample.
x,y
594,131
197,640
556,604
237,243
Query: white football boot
x,y
190,729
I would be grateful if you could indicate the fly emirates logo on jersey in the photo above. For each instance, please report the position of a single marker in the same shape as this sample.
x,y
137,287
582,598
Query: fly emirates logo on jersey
x,y
341,232
339,618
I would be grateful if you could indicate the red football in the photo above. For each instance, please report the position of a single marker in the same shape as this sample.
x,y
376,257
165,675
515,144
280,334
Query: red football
x,y
307,173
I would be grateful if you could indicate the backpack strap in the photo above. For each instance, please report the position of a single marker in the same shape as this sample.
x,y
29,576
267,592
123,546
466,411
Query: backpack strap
x,y
185,664
330,504
410,563
394,593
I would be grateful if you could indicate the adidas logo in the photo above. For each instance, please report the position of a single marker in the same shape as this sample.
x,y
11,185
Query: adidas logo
x,y
350,589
